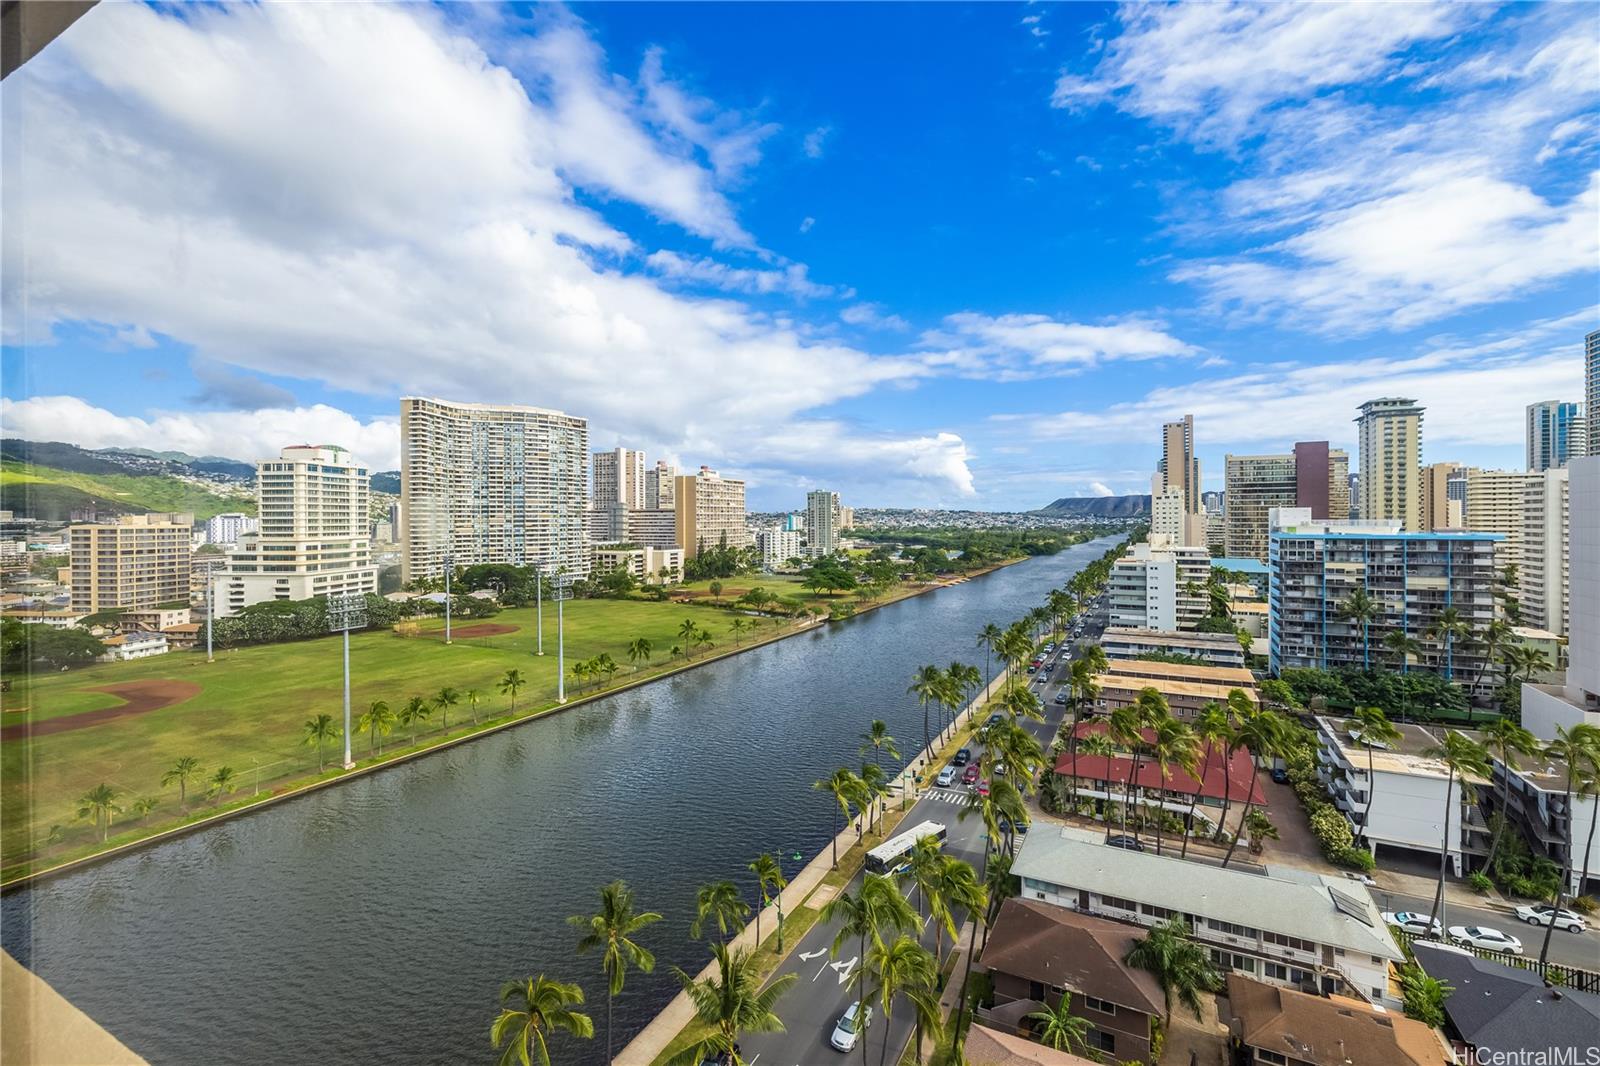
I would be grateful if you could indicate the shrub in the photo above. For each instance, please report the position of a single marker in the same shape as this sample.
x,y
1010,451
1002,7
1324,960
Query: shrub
x,y
1356,859
1331,830
1583,904
1480,882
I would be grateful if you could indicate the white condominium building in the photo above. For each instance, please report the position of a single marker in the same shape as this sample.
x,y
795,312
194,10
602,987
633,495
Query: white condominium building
x,y
653,527
1160,585
710,510
822,523
778,546
313,539
1557,433
1391,455
658,486
619,479
228,527
1544,707
1546,526
492,483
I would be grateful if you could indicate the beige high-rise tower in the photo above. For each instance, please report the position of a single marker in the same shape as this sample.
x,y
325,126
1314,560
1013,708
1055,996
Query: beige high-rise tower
x,y
1183,518
1390,432
710,508
619,478
1439,509
132,561
492,483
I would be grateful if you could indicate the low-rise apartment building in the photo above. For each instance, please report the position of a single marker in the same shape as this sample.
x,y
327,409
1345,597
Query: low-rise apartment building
x,y
1212,649
1406,790
1411,578
140,645
1186,697
1536,806
1159,585
649,566
1284,926
1276,1026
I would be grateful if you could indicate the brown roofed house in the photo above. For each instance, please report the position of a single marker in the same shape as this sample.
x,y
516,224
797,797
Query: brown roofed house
x,y
1283,1027
1037,952
990,1047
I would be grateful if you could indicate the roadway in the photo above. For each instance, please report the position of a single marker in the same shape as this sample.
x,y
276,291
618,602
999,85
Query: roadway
x,y
822,991
1570,949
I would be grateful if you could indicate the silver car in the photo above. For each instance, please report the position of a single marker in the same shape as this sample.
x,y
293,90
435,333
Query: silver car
x,y
846,1031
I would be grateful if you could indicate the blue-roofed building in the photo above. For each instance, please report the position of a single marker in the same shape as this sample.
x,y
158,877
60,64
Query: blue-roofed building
x,y
1315,566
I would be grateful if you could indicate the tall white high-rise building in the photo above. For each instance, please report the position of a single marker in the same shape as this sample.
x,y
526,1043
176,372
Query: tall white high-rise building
x,y
1391,456
1544,707
314,535
1557,432
822,523
492,483
1179,471
778,546
619,479
1160,585
1546,531
1591,387
658,486
228,527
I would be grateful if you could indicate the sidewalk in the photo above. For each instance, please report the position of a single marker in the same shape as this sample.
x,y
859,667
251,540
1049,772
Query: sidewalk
x,y
1456,893
678,1013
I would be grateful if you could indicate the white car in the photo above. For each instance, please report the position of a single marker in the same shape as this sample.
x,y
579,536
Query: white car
x,y
1481,936
946,778
1414,923
1540,914
846,1030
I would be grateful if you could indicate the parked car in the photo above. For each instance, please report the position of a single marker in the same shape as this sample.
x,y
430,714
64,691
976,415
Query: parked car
x,y
845,1030
1126,843
1411,922
946,778
1542,913
963,757
1033,668
1280,775
1481,936
970,777
1019,828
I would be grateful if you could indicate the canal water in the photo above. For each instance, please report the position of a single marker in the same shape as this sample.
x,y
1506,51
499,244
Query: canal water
x,y
375,921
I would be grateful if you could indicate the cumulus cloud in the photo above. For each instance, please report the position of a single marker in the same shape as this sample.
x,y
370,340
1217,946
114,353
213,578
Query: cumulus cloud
x,y
1099,488
401,213
791,279
1022,345
873,316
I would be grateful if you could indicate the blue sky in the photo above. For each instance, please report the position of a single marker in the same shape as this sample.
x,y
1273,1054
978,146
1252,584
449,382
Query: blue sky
x,y
959,255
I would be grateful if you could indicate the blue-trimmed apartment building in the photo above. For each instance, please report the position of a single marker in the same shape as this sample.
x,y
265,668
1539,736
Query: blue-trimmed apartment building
x,y
1315,565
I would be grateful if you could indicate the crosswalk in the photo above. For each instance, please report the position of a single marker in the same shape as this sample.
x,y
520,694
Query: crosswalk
x,y
956,796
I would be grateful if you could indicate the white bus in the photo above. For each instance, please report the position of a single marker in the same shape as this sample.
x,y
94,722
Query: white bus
x,y
892,855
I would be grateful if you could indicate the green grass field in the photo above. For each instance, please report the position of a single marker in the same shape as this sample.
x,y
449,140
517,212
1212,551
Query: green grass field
x,y
253,702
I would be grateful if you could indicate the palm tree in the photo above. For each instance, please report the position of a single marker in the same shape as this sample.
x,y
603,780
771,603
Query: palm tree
x,y
874,791
611,929
222,782
512,683
877,909
99,804
1081,682
1494,636
378,720
737,626
1376,730
964,679
1003,801
989,640
1213,729
770,884
1404,647
1125,726
730,1003
181,771
415,712
1180,966
922,869
1264,734
1060,1028
1450,627
904,967
719,902
1239,708
473,698
1524,660
1506,740
844,787
927,688
639,650
1259,828
447,698
531,1009
1461,756
1173,744
689,633
1363,609
318,731
878,740
955,888
1576,747
143,806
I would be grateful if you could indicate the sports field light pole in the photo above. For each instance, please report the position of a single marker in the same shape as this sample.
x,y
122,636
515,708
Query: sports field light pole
x,y
561,639
538,605
211,610
347,611
449,565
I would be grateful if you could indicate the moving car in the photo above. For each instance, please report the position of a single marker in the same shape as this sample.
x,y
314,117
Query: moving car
x,y
1481,936
995,717
963,757
845,1030
1280,775
1062,697
970,777
1033,668
946,778
1126,843
1411,922
1541,914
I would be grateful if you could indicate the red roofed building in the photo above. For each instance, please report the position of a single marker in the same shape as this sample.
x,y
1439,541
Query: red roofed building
x,y
1102,777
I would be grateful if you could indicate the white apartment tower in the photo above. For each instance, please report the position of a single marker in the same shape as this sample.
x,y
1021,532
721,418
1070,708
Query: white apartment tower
x,y
619,479
1557,433
658,486
313,538
492,483
1391,454
1546,527
1160,585
822,523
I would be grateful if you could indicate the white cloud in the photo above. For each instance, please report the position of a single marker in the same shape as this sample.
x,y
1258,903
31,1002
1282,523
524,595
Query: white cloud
x,y
873,316
226,433
806,224
814,143
1099,488
399,212
732,143
791,279
1022,345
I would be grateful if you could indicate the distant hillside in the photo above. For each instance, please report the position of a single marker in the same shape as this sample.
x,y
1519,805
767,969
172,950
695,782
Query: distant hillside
x,y
386,481
1099,506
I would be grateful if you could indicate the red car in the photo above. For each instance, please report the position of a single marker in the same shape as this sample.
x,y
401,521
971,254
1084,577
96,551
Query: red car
x,y
970,775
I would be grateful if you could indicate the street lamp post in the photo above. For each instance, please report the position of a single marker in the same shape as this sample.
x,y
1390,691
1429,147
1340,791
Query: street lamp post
x,y
449,565
347,611
561,642
211,610
538,605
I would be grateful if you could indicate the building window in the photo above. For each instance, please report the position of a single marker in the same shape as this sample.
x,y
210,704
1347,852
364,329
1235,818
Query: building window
x,y
1263,1055
1104,1006
1119,904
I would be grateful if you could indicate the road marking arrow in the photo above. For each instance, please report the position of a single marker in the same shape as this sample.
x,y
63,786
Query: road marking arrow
x,y
844,968
809,955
